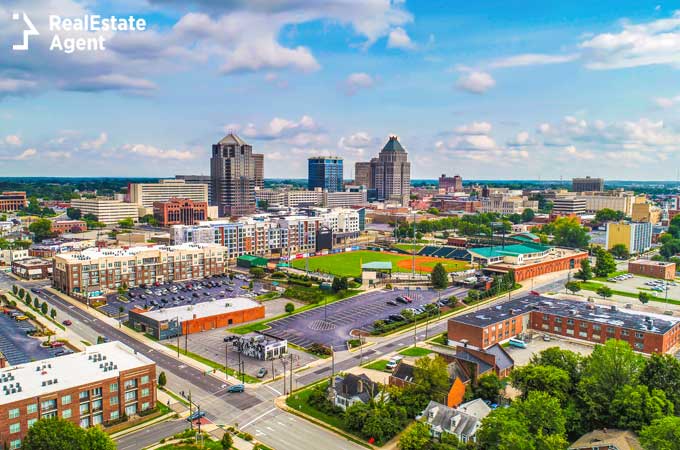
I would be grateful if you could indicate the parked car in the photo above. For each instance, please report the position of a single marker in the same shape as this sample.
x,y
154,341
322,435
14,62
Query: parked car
x,y
392,363
195,416
21,318
67,322
236,388
262,372
56,344
391,303
396,317
534,293
401,299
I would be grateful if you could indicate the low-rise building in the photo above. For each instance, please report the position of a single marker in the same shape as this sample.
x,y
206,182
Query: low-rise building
x,y
645,332
507,203
94,271
107,211
607,439
646,212
8,256
463,421
565,206
180,211
617,200
636,236
146,194
649,268
97,386
13,201
68,226
190,319
351,389
32,268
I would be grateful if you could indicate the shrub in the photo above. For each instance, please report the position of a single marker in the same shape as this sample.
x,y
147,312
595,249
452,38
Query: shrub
x,y
279,275
248,437
290,307
320,349
300,282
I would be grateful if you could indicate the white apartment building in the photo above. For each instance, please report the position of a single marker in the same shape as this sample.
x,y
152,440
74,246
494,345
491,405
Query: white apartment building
x,y
569,205
507,203
106,210
145,194
617,200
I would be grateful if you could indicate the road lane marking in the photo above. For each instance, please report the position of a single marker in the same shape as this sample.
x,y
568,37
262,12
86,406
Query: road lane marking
x,y
258,418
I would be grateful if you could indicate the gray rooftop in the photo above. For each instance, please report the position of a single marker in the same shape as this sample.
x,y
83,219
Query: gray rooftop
x,y
232,139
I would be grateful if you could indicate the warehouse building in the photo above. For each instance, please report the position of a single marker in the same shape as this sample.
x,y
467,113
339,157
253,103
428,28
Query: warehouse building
x,y
645,332
189,319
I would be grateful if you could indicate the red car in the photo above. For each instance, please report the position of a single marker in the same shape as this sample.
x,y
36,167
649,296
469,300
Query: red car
x,y
535,293
67,322
56,344
407,298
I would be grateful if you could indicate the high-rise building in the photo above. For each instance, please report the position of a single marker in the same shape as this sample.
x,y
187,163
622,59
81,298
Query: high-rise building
x,y
390,173
146,194
325,172
587,184
636,236
454,183
259,170
106,210
362,174
199,179
233,173
569,205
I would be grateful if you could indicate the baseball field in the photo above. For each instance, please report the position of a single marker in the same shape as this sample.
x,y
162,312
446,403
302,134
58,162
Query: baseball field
x,y
348,264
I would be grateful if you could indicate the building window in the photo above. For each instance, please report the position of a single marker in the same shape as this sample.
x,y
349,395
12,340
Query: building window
x,y
114,415
639,346
32,408
558,320
97,405
48,405
84,408
597,327
85,422
66,400
130,384
15,444
97,419
97,392
31,422
113,387
131,410
145,392
14,413
113,401
145,406
66,414
639,335
130,396
144,379
14,428
624,332
583,334
83,396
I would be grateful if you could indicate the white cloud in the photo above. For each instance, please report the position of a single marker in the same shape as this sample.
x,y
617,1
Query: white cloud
x,y
26,154
521,139
532,59
666,102
304,132
655,42
58,155
356,82
474,128
476,82
13,139
398,38
157,153
95,144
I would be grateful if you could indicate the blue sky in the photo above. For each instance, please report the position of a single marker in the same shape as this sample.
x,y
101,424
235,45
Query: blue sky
x,y
489,89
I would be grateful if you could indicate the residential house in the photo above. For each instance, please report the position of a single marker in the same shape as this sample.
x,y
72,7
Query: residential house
x,y
351,389
463,422
607,440
402,375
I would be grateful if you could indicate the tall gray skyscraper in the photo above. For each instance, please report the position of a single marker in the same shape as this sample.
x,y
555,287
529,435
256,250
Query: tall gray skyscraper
x,y
391,172
233,173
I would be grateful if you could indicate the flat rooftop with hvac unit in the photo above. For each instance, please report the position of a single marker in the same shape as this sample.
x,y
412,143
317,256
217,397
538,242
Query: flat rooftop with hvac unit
x,y
165,323
645,332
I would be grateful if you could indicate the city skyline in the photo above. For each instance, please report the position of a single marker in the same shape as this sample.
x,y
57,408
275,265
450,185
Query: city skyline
x,y
528,91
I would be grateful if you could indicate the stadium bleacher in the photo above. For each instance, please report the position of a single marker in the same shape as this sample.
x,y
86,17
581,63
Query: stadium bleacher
x,y
457,253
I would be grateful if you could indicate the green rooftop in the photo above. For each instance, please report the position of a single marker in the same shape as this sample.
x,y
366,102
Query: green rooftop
x,y
393,145
509,250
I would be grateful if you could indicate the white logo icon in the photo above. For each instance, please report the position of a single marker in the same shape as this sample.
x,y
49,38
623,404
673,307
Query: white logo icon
x,y
31,31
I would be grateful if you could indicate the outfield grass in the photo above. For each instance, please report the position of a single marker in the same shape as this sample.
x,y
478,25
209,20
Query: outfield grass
x,y
408,247
348,264
416,352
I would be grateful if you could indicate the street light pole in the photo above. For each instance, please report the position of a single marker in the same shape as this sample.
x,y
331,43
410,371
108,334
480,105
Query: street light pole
x,y
226,361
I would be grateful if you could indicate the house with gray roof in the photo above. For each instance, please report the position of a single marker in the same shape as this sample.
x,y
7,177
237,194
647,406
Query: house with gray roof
x,y
463,421
351,389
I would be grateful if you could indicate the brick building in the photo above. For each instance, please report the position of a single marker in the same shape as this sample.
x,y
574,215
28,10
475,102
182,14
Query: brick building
x,y
32,268
12,201
68,226
649,268
94,270
95,387
180,211
170,322
645,332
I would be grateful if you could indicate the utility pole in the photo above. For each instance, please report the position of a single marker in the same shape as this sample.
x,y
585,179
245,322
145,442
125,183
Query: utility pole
x,y
239,364
191,422
290,391
226,361
332,364
178,333
283,362
415,332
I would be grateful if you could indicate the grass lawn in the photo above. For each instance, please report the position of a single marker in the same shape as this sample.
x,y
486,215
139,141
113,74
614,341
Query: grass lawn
x,y
268,296
211,363
611,275
380,364
348,264
207,445
408,247
299,401
593,286
415,352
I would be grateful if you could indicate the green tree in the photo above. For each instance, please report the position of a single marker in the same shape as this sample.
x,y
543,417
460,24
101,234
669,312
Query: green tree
x,y
22,292
96,439
439,277
290,307
126,223
505,429
41,229
488,387
44,308
415,437
528,215
620,251
162,379
538,378
431,378
608,215
36,303
28,299
604,264
567,232
635,407
573,286
662,372
604,291
545,419
53,313
644,297
54,434
605,372
515,218
566,360
257,272
408,314
73,213
227,441
434,211
662,434
15,289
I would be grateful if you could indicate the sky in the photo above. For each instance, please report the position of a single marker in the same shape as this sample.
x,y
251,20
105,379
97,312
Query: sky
x,y
485,89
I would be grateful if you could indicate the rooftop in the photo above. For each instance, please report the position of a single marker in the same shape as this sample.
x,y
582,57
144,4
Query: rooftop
x,y
377,265
96,363
649,262
625,318
393,145
509,250
199,310
94,253
232,139
619,439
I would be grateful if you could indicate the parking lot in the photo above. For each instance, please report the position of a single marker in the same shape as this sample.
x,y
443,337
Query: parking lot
x,y
180,294
637,283
537,345
16,345
332,325
211,345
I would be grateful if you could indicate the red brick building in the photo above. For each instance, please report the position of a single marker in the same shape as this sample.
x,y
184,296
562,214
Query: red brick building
x,y
180,211
645,332
98,386
649,268
68,226
12,201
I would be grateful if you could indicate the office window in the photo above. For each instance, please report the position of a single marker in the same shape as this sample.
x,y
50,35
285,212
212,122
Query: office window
x,y
14,428
97,392
145,392
48,405
85,395
32,408
114,415
14,413
31,422
15,444
144,379
113,387
85,422
84,408
96,405
130,396
130,384
97,419
113,401
66,400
